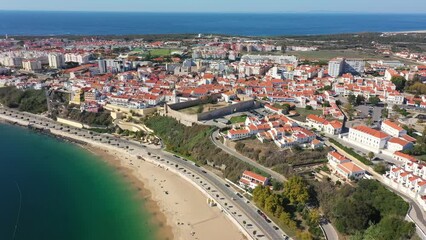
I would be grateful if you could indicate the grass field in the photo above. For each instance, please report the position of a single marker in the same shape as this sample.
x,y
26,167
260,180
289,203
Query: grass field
x,y
162,51
238,119
303,113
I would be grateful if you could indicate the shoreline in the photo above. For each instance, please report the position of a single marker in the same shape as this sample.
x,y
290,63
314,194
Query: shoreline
x,y
162,190
158,218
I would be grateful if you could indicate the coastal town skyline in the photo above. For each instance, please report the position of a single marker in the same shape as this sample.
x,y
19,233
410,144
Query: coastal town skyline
x,y
221,6
245,125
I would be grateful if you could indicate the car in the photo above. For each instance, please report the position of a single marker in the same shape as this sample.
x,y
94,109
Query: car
x,y
227,185
275,227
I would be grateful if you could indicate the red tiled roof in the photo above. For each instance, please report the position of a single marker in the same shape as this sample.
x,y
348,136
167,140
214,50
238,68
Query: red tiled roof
x,y
255,176
372,132
337,155
398,141
350,167
392,125
406,156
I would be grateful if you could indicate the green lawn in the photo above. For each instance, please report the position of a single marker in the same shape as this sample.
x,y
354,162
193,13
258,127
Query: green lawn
x,y
238,119
162,51
303,113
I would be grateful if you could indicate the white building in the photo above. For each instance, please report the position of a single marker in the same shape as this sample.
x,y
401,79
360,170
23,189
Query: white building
x,y
368,138
350,170
335,158
252,180
31,65
398,144
56,60
335,67
392,128
237,134
78,58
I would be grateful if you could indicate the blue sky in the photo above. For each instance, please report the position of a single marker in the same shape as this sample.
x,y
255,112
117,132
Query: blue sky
x,y
377,6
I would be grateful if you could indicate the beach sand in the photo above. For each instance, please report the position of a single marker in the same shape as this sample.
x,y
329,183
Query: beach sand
x,y
182,213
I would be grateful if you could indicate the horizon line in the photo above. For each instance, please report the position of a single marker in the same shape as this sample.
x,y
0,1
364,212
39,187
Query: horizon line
x,y
215,12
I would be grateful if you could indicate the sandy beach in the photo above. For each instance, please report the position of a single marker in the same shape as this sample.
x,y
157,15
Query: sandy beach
x,y
179,209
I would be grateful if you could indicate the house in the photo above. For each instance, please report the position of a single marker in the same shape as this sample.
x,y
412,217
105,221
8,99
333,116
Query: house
x,y
333,127
350,170
316,144
252,180
392,128
237,134
404,158
398,144
335,158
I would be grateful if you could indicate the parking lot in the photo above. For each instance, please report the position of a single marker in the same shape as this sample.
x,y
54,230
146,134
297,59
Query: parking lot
x,y
365,112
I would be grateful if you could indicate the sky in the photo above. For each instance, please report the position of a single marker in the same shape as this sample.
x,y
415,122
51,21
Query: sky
x,y
259,6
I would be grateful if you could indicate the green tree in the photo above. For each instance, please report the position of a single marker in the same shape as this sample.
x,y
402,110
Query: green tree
x,y
373,100
399,82
352,99
370,156
296,190
352,216
380,168
359,100
390,227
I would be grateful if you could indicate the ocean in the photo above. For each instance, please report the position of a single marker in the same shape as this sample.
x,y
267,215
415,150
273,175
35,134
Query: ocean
x,y
51,189
247,24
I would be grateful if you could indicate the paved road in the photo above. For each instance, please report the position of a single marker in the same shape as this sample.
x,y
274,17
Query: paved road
x,y
240,209
243,158
330,231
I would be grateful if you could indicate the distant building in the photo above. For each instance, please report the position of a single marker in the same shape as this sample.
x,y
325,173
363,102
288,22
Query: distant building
x,y
102,66
56,60
252,180
335,67
78,58
31,65
354,66
338,66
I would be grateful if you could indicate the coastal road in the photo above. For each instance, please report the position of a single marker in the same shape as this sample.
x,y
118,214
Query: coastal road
x,y
244,211
329,231
231,151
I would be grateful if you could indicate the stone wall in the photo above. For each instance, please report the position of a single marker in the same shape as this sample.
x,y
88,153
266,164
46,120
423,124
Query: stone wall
x,y
217,113
189,119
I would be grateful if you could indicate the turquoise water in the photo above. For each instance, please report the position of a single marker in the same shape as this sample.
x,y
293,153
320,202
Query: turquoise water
x,y
66,193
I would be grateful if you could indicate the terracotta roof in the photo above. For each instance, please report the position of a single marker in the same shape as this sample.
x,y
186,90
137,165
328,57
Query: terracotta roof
x,y
239,131
350,167
255,176
398,141
372,132
392,125
316,118
406,156
337,155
